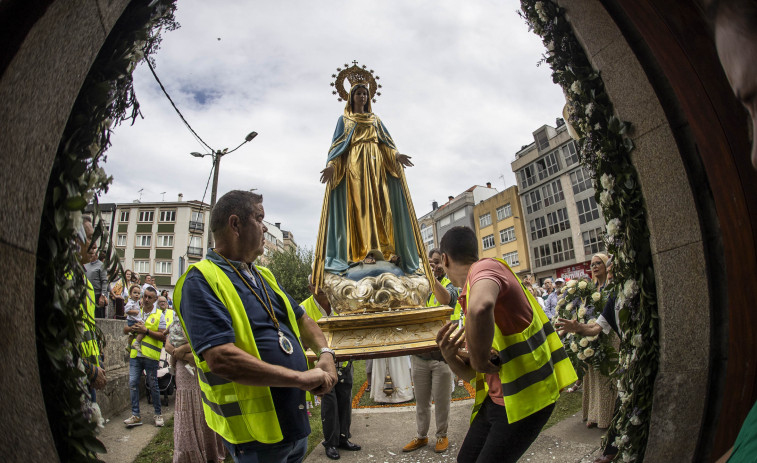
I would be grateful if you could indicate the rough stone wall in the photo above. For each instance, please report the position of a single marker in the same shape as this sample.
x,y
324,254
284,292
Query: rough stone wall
x,y
676,236
37,91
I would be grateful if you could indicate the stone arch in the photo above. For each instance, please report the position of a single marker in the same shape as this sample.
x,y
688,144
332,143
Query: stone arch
x,y
660,71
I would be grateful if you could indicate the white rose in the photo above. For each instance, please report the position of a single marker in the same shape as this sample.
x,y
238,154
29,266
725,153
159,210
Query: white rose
x,y
588,352
571,290
582,312
625,439
582,284
596,297
630,288
607,181
635,420
573,347
592,321
581,356
583,342
576,87
571,283
591,338
561,301
589,109
569,307
612,227
605,198
636,340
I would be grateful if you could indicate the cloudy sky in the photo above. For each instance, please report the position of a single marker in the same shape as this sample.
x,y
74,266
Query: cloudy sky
x,y
461,94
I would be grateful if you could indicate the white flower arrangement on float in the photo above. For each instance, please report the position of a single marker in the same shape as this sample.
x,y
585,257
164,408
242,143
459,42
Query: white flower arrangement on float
x,y
604,150
583,303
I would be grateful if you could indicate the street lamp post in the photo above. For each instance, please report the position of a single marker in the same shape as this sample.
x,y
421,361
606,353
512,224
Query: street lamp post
x,y
217,155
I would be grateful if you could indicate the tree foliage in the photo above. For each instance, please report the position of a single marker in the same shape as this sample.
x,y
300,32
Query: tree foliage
x,y
291,268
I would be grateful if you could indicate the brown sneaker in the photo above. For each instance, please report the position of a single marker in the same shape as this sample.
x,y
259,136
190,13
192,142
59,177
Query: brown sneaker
x,y
415,444
441,444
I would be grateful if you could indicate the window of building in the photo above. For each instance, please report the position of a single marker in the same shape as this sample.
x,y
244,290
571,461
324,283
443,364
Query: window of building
x,y
164,267
504,212
587,210
165,241
581,180
485,220
562,250
488,241
552,193
142,266
558,220
445,221
542,255
144,241
124,216
197,216
427,234
511,258
538,228
542,140
121,240
569,154
527,176
507,235
195,245
593,241
168,215
458,215
548,165
533,201
146,216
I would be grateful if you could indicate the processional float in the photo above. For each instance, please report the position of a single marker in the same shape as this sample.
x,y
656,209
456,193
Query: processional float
x,y
369,257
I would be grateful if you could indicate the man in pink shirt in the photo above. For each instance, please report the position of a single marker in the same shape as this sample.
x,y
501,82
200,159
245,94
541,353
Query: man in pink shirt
x,y
510,345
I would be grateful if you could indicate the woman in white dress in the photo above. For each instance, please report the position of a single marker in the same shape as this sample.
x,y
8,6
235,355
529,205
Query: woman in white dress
x,y
399,369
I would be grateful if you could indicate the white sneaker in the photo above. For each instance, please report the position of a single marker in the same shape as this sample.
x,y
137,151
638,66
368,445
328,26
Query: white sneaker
x,y
133,421
159,420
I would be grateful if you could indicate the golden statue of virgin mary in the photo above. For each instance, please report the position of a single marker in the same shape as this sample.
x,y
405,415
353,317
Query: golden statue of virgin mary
x,y
369,256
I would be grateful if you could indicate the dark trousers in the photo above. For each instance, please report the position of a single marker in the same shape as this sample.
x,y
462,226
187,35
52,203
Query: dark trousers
x,y
492,438
336,409
610,448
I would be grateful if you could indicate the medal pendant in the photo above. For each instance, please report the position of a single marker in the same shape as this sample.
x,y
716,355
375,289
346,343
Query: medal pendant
x,y
285,344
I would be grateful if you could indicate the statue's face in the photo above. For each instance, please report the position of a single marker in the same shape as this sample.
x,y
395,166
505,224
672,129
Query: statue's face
x,y
359,99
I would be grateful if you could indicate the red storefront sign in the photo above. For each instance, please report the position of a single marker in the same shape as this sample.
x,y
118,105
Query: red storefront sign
x,y
572,272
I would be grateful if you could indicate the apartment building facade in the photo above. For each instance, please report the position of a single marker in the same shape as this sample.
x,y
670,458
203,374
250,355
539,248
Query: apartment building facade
x,y
500,230
564,223
161,239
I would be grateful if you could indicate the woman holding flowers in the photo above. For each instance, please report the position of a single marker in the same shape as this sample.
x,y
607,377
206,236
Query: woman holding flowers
x,y
600,390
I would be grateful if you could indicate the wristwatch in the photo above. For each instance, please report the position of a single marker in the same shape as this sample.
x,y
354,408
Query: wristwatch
x,y
327,350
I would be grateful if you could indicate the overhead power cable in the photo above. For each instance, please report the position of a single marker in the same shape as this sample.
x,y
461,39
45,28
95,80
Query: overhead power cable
x,y
175,108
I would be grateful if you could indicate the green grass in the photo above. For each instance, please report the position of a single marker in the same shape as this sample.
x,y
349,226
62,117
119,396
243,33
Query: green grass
x,y
160,449
568,404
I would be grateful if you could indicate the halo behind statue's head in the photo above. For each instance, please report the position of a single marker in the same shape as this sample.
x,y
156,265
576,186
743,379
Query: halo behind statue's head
x,y
354,75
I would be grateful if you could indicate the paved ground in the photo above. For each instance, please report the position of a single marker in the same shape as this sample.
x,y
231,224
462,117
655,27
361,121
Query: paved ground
x,y
383,432
124,444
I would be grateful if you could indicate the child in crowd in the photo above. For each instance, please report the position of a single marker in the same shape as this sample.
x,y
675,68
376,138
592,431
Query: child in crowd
x,y
133,315
177,339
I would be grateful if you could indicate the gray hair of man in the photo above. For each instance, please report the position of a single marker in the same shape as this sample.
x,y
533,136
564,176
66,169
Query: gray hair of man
x,y
235,202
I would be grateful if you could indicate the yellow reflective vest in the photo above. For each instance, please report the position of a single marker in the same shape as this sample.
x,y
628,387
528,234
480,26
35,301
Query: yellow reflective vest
x,y
90,350
534,368
432,302
237,412
151,347
311,308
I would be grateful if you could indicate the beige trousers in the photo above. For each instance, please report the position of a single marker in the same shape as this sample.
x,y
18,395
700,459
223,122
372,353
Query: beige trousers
x,y
432,379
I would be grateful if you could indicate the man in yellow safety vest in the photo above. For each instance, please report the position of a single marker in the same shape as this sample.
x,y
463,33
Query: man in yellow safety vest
x,y
246,334
514,357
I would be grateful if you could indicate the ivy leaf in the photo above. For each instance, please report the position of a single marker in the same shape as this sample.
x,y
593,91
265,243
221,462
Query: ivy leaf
x,y
75,203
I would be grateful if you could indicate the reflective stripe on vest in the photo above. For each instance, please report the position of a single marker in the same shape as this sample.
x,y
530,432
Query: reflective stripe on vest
x,y
432,302
534,368
151,348
237,412
90,350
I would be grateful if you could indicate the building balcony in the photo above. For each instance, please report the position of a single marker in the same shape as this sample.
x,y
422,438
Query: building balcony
x,y
196,226
194,251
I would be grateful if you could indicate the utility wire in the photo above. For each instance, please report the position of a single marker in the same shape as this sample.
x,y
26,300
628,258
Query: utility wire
x,y
177,109
208,182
